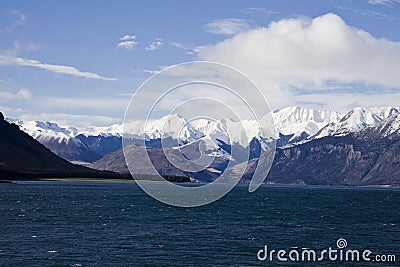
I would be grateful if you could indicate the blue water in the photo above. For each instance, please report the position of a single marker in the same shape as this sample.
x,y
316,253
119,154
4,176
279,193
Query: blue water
x,y
116,224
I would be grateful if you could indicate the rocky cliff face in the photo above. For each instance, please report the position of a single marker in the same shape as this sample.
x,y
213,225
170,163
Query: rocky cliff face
x,y
369,157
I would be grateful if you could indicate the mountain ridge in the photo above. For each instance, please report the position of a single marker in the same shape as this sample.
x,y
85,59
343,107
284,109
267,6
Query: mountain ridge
x,y
294,125
370,156
21,156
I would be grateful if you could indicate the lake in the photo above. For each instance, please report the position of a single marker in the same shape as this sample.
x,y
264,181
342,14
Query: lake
x,y
117,224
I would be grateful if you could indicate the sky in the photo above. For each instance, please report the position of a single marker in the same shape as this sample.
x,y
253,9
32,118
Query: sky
x,y
78,63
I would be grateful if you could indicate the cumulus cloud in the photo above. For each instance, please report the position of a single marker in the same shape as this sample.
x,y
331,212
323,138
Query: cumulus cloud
x,y
227,26
308,53
10,60
154,45
127,42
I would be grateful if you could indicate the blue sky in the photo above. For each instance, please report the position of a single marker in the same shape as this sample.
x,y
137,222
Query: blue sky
x,y
78,62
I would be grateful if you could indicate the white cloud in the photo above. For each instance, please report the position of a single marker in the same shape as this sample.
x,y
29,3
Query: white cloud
x,y
308,53
154,45
149,71
19,95
127,37
189,49
9,60
154,71
127,41
227,26
127,44
383,2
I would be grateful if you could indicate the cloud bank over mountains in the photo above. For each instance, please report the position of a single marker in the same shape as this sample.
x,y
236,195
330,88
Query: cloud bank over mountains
x,y
295,61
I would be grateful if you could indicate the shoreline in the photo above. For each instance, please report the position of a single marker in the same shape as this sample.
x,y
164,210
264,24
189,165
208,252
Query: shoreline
x,y
105,180
119,180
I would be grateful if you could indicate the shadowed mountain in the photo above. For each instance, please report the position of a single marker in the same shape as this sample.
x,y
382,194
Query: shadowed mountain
x,y
21,156
73,149
369,157
116,162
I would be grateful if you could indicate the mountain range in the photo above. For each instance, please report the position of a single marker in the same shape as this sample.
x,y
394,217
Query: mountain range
x,y
313,146
22,157
91,143
370,156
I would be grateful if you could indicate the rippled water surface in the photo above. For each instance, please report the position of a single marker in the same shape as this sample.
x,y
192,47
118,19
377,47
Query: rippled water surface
x,y
116,224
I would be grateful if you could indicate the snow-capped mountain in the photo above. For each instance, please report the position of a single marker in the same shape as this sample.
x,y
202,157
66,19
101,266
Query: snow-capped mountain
x,y
68,142
297,120
288,121
173,126
356,120
46,130
113,130
386,127
291,121
293,125
369,156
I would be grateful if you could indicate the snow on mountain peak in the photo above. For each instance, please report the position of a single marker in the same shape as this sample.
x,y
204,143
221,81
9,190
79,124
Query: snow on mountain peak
x,y
296,120
173,126
356,120
113,130
46,130
387,126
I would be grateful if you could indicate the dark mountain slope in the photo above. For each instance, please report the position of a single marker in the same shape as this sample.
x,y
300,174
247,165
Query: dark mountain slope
x,y
101,145
368,157
347,160
354,159
21,156
116,162
70,150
